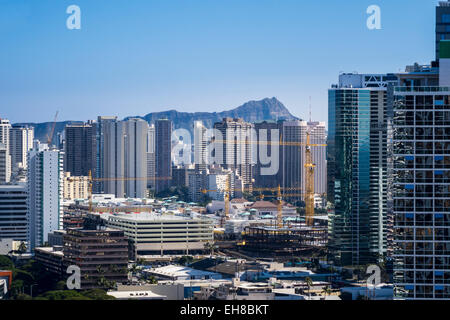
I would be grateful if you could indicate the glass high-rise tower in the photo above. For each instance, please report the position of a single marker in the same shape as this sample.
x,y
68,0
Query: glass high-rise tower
x,y
357,168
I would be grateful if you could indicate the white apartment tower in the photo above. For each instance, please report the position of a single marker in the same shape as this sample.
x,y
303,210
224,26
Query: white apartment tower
x,y
151,157
125,157
20,142
45,191
5,157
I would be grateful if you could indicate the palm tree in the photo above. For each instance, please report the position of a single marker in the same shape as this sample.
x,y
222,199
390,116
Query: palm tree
x,y
209,246
327,291
133,269
22,248
309,283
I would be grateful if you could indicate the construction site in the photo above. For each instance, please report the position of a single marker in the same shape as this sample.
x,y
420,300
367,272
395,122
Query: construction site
x,y
283,240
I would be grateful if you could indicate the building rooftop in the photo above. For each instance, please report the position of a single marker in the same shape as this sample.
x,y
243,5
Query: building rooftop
x,y
174,271
145,295
149,217
51,250
263,205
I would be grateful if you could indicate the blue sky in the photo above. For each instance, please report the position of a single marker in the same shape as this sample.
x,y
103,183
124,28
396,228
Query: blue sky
x,y
132,57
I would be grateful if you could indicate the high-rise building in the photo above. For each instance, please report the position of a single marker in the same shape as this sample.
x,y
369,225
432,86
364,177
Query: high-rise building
x,y
99,186
200,146
237,144
267,131
20,142
45,192
80,149
421,182
5,164
197,181
5,127
317,132
13,213
163,154
151,157
357,167
125,157
293,155
5,157
442,24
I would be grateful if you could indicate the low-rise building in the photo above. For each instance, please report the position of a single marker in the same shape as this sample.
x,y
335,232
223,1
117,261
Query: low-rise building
x,y
51,258
75,187
5,283
157,233
175,273
8,246
382,291
102,256
149,292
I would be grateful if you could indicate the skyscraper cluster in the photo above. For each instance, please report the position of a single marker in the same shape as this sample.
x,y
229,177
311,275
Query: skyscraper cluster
x,y
388,171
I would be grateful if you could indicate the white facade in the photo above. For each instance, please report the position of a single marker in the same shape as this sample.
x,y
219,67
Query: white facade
x,y
218,184
5,126
151,157
45,189
5,164
5,157
125,157
156,233
75,187
20,142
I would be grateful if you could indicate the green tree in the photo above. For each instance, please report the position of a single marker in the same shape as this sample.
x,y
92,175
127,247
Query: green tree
x,y
6,263
209,246
97,294
152,280
61,285
17,287
185,260
64,295
22,296
309,283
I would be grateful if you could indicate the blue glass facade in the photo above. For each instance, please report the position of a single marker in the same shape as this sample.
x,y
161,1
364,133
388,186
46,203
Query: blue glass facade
x,y
353,164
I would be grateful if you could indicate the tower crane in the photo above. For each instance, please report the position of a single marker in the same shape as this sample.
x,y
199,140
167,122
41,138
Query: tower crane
x,y
309,174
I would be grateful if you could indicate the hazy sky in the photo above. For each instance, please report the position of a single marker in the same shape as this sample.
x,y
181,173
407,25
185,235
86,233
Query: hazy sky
x,y
132,57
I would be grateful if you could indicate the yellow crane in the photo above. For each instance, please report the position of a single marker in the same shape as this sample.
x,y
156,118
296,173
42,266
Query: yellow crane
x,y
279,199
309,174
279,208
227,200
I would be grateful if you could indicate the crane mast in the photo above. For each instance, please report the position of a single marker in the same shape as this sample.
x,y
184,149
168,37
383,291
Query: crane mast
x,y
309,194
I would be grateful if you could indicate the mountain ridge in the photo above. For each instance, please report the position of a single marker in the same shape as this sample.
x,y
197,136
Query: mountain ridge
x,y
252,111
